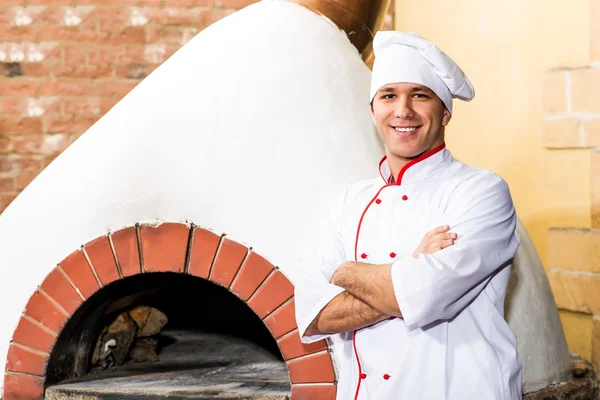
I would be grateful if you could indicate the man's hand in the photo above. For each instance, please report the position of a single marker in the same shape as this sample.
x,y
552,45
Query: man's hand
x,y
436,240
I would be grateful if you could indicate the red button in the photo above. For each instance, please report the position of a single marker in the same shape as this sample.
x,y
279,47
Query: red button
x,y
378,201
386,377
363,376
405,197
392,254
363,256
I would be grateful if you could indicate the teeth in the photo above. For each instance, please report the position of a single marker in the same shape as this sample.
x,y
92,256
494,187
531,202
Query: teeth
x,y
406,129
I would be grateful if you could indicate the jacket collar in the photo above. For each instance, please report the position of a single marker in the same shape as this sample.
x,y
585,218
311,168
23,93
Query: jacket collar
x,y
419,169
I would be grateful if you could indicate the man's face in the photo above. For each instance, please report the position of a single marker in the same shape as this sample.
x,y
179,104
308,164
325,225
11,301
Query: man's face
x,y
410,118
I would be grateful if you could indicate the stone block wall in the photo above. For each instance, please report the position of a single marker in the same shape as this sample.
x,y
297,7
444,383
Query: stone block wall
x,y
572,123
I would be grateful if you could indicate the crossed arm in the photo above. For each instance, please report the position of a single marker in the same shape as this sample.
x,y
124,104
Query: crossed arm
x,y
369,297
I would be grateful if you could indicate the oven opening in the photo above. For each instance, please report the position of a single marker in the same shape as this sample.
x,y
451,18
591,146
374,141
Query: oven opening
x,y
157,335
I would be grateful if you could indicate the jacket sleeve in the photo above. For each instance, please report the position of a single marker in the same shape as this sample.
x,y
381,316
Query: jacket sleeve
x,y
438,286
314,291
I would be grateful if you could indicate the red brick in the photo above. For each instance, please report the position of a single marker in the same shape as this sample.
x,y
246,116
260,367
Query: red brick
x,y
55,2
191,3
18,33
66,87
40,144
28,163
17,163
164,247
34,52
74,136
37,69
88,106
28,362
57,14
13,2
235,4
20,126
209,17
5,200
84,71
21,86
157,53
75,55
84,32
124,35
24,179
101,256
48,159
78,270
315,368
28,144
179,16
32,335
7,184
61,291
153,33
116,18
272,293
291,346
136,53
30,106
204,247
313,392
20,16
126,248
101,55
282,320
177,35
5,146
134,71
68,125
114,88
228,262
23,387
44,311
252,273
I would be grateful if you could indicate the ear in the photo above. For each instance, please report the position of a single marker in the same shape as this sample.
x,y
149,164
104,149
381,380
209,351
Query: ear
x,y
446,117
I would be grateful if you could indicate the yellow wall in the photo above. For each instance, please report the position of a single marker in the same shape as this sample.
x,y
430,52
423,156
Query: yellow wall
x,y
505,47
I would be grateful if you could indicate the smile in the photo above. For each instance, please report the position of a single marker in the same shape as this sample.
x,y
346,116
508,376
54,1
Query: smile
x,y
409,129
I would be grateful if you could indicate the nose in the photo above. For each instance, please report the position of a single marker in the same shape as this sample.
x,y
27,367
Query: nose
x,y
403,109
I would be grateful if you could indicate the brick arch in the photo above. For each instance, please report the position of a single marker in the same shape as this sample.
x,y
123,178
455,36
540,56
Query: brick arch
x,y
168,247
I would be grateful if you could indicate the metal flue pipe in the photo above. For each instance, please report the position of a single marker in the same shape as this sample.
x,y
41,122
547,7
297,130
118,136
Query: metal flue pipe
x,y
360,19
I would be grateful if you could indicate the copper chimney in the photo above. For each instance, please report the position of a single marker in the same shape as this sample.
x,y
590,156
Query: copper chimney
x,y
360,19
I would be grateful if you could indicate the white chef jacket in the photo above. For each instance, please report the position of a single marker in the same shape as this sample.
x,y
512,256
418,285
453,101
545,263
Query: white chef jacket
x,y
453,341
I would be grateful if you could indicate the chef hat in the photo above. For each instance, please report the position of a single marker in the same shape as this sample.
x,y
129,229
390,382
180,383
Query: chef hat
x,y
407,57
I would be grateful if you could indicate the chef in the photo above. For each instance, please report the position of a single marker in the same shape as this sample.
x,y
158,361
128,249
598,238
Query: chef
x,y
412,267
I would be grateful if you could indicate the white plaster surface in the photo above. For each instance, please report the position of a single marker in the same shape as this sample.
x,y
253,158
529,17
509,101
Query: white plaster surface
x,y
532,314
250,129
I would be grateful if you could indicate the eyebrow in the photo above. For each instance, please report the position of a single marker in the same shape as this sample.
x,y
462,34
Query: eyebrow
x,y
388,89
421,89
418,88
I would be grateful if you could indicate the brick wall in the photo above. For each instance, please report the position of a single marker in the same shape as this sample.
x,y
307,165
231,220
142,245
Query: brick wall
x,y
65,63
572,124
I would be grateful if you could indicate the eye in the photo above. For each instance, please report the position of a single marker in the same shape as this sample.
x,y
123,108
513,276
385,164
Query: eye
x,y
388,96
420,96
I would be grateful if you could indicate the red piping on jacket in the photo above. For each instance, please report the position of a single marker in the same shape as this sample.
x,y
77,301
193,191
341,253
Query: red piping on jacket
x,y
359,367
410,164
398,183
